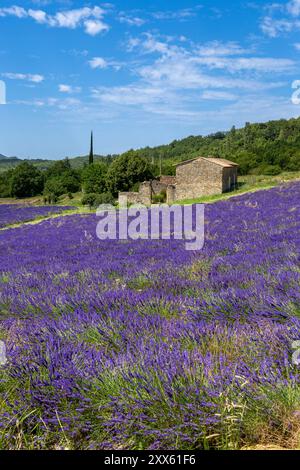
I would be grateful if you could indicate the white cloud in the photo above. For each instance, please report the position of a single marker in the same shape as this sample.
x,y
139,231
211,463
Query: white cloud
x,y
130,95
177,81
281,19
184,74
38,15
61,104
297,46
35,78
293,7
98,63
258,64
93,27
217,48
91,19
73,18
274,27
19,12
151,44
182,14
68,89
131,20
183,68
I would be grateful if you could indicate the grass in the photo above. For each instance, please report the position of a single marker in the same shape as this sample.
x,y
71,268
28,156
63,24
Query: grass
x,y
64,200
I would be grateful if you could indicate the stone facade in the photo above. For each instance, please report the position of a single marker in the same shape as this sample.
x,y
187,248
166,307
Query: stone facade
x,y
145,194
167,179
171,193
194,179
204,177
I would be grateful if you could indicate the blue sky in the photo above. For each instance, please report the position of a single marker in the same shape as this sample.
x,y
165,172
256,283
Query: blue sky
x,y
141,73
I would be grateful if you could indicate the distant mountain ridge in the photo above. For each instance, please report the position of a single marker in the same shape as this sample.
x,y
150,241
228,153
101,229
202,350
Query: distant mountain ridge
x,y
3,157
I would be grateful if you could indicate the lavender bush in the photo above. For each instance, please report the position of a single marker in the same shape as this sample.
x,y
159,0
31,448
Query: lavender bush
x,y
11,214
144,345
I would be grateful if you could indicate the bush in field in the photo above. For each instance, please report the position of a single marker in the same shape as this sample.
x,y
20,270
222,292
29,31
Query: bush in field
x,y
127,170
94,178
95,200
26,181
269,170
61,179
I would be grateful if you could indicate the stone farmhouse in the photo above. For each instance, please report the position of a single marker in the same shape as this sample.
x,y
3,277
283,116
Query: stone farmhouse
x,y
201,176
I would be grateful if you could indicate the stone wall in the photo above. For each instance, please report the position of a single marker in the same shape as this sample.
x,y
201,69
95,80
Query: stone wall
x,y
229,180
143,196
198,178
157,186
171,194
167,179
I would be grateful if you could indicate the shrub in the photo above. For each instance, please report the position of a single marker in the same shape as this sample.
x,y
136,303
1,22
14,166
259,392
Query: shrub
x,y
268,170
159,198
89,199
95,200
104,198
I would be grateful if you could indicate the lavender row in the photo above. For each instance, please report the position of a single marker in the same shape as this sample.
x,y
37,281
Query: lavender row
x,y
142,344
11,214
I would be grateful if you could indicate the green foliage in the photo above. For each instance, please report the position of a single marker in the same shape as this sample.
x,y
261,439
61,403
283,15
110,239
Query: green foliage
x,y
26,181
54,186
127,170
269,170
61,179
254,147
94,178
58,168
95,200
5,183
159,198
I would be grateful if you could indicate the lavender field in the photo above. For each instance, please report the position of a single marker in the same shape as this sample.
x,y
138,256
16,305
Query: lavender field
x,y
11,214
144,345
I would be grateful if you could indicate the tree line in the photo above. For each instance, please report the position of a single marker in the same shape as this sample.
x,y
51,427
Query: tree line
x,y
264,148
99,181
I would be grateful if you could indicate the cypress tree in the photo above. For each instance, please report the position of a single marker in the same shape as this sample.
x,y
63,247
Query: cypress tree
x,y
91,156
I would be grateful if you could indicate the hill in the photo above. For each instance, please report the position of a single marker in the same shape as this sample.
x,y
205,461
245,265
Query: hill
x,y
262,148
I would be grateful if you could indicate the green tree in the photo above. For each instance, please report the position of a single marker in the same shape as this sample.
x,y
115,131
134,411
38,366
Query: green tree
x,y
127,170
61,179
26,181
91,155
94,178
5,183
58,168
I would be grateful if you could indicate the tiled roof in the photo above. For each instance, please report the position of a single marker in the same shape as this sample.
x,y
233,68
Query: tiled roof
x,y
218,161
